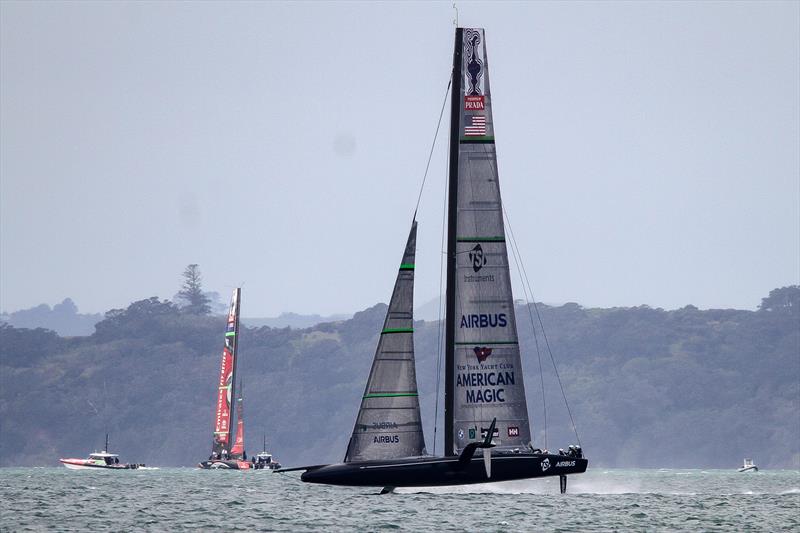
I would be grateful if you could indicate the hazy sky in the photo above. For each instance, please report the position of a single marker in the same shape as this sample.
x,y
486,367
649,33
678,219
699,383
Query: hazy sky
x,y
648,152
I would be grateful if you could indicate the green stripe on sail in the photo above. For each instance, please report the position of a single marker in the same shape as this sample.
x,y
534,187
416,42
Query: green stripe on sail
x,y
477,140
389,394
484,342
398,330
480,239
407,266
221,432
230,334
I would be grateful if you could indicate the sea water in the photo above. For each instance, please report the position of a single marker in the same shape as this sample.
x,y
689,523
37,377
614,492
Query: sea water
x,y
174,499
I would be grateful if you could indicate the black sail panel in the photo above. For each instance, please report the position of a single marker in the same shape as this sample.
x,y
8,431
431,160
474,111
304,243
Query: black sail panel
x,y
486,380
389,423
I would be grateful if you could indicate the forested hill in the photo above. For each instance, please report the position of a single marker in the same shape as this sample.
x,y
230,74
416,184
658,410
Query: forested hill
x,y
647,387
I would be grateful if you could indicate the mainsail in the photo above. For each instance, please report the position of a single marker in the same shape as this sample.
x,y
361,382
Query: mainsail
x,y
389,424
227,376
483,373
237,451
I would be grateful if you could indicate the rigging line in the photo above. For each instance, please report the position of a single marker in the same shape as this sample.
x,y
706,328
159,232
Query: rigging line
x,y
544,335
433,145
442,257
517,261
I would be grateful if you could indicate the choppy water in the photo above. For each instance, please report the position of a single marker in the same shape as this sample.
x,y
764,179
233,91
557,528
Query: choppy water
x,y
33,499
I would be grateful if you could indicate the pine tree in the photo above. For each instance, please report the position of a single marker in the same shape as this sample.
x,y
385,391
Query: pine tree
x,y
197,303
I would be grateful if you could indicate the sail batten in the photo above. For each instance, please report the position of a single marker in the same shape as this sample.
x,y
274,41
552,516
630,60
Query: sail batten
x,y
389,423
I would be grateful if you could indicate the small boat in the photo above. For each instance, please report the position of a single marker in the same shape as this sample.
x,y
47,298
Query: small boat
x,y
748,466
264,460
105,460
487,434
223,455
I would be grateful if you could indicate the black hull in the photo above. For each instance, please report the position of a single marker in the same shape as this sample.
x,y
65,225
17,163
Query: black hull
x,y
220,465
437,471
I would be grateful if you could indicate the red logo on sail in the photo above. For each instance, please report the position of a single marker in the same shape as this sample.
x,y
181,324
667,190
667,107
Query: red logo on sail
x,y
223,396
474,103
482,352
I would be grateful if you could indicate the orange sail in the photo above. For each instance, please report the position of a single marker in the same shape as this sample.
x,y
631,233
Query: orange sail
x,y
237,452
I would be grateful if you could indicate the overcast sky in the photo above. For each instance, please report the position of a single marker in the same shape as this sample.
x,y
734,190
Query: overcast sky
x,y
648,152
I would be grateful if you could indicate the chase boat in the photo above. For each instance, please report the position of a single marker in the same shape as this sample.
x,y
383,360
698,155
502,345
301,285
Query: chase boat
x,y
105,460
748,466
264,461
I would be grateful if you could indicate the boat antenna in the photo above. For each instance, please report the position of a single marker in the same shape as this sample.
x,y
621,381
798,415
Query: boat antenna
x,y
455,20
106,448
439,321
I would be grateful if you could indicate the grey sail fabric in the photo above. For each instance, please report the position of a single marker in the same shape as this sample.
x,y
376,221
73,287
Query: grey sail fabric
x,y
488,380
389,424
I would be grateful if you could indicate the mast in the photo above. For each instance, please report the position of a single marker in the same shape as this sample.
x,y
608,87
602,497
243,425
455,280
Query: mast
x,y
452,212
226,391
235,351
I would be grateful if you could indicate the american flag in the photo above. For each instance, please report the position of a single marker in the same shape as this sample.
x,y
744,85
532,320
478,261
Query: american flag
x,y
477,127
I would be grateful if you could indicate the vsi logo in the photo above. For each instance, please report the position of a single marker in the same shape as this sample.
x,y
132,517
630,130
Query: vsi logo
x,y
482,352
477,258
545,465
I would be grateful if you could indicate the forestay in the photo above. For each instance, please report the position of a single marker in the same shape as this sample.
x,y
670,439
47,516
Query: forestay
x,y
389,424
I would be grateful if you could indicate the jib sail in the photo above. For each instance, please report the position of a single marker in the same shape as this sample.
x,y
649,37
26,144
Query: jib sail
x,y
237,451
389,424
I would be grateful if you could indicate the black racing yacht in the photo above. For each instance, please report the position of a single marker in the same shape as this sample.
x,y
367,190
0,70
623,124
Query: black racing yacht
x,y
487,435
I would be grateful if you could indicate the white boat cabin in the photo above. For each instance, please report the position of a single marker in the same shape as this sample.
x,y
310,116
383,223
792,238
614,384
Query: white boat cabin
x,y
264,457
104,458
